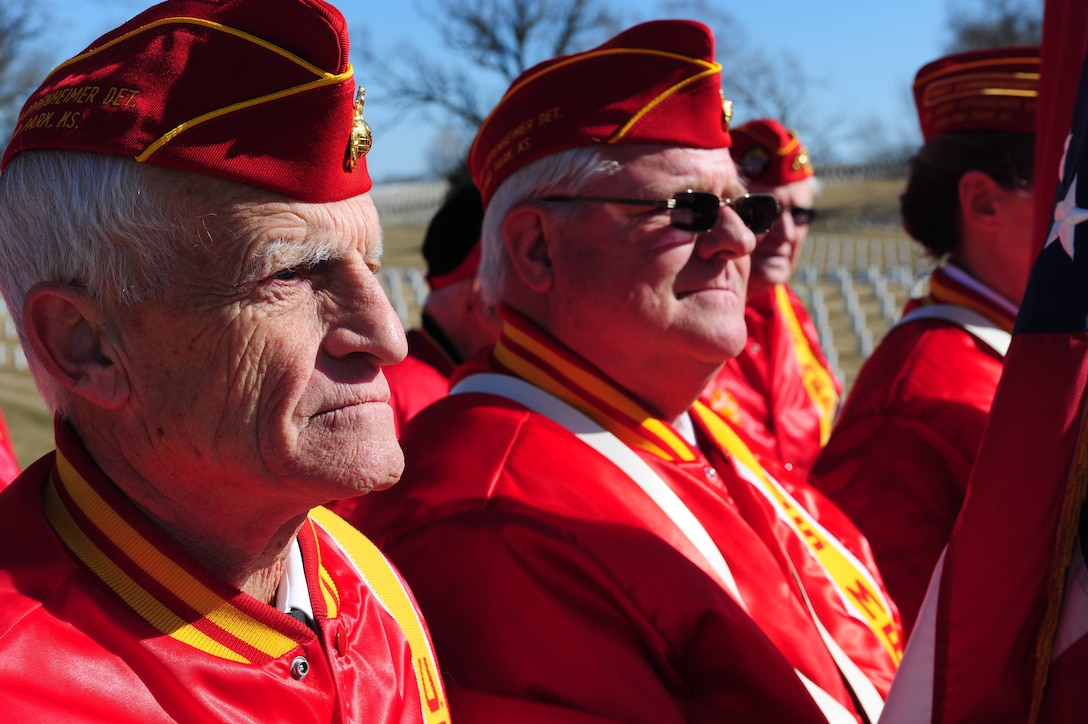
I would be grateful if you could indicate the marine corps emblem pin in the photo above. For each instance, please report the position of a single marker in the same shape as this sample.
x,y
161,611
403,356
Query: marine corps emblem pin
x,y
361,136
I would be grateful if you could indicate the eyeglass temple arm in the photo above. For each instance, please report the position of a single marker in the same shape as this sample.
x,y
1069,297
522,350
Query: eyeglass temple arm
x,y
659,204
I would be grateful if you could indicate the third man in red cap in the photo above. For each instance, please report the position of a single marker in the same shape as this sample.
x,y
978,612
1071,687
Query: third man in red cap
x,y
780,390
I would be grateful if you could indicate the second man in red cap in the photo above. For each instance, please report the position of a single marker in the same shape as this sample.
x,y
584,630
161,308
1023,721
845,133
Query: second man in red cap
x,y
587,541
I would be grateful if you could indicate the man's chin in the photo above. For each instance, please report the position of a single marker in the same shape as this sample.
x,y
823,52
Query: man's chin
x,y
771,272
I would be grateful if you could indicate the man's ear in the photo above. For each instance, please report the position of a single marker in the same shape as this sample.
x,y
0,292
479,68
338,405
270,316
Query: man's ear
x,y
523,233
64,327
979,200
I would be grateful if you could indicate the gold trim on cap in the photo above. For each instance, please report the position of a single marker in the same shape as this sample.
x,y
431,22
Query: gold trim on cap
x,y
194,21
715,68
210,115
710,67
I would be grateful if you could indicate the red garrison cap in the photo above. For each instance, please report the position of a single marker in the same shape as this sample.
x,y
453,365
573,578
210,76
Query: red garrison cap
x,y
657,82
980,90
255,91
768,153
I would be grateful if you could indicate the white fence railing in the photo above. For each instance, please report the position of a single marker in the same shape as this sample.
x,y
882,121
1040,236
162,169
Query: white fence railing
x,y
408,204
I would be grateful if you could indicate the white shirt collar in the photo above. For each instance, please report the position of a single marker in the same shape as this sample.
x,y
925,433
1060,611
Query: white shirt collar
x,y
293,592
686,429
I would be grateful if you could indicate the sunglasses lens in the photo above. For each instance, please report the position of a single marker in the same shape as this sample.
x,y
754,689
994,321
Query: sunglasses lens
x,y
757,211
802,216
694,211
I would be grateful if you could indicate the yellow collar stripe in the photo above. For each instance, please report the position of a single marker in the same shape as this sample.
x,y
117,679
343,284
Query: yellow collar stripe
x,y
329,593
592,395
386,585
222,619
944,289
577,376
147,606
549,383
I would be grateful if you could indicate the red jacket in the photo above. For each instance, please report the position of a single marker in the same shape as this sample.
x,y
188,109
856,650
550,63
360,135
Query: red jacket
x,y
422,377
104,618
550,580
902,449
780,390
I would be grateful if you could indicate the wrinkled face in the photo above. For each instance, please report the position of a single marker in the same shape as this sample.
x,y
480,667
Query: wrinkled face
x,y
639,298
778,251
262,369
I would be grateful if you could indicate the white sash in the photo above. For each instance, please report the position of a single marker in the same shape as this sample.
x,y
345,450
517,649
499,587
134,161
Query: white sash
x,y
976,325
660,493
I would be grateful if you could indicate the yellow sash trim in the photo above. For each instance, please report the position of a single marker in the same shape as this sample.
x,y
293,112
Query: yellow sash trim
x,y
816,380
384,583
155,564
859,592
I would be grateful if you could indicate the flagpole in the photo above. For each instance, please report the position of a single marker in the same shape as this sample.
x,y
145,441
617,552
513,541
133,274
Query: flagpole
x,y
1068,530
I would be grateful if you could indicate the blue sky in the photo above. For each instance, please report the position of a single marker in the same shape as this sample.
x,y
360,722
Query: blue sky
x,y
862,53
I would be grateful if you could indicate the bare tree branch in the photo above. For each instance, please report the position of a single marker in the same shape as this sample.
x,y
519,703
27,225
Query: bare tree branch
x,y
995,23
21,68
487,44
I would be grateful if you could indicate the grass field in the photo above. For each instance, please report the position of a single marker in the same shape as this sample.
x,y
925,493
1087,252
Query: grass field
x,y
841,206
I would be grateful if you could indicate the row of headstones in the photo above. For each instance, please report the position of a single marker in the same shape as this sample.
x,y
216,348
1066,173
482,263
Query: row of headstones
x,y
887,288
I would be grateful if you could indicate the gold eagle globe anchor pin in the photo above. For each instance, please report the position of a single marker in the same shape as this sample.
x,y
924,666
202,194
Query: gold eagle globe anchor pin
x,y
362,138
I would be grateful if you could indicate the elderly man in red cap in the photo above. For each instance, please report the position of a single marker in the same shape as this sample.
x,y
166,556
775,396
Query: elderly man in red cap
x,y
902,450
588,542
189,254
780,390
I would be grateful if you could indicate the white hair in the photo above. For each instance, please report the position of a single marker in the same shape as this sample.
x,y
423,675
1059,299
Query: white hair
x,y
565,172
104,223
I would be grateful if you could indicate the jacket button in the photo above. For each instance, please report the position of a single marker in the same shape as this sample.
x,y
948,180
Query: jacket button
x,y
299,668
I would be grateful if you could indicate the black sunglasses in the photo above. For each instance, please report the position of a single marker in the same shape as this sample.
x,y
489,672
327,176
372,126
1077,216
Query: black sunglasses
x,y
698,211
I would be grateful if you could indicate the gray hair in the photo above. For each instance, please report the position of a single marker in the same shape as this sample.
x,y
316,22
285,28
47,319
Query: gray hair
x,y
101,222
564,172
